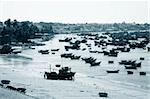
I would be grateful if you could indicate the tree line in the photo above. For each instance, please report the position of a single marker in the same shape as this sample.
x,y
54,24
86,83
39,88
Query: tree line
x,y
14,31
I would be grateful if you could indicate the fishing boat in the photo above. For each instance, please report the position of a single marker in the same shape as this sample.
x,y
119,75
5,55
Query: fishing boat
x,y
54,49
95,63
44,51
103,94
142,73
112,71
63,74
129,72
130,67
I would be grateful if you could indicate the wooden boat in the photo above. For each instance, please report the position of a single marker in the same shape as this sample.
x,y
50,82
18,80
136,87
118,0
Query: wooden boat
x,y
113,54
83,41
129,72
142,73
93,51
83,49
57,65
5,81
92,60
99,51
123,62
141,58
137,64
127,62
130,67
54,49
75,57
23,90
103,94
110,62
75,46
95,63
63,74
106,53
44,51
125,50
53,53
51,75
112,71
66,55
11,88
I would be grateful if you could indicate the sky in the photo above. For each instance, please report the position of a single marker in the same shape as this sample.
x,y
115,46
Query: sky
x,y
76,11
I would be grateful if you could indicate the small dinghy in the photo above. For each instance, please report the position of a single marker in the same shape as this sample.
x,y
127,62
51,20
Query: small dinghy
x,y
103,94
112,71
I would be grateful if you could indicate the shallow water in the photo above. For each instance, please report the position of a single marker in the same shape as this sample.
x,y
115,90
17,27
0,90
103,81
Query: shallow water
x,y
28,67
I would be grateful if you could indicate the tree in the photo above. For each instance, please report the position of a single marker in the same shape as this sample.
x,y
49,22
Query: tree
x,y
5,49
8,22
14,31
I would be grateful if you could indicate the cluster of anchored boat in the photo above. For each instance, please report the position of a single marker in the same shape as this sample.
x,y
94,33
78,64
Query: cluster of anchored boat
x,y
119,43
129,65
6,84
91,61
124,41
132,65
53,51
